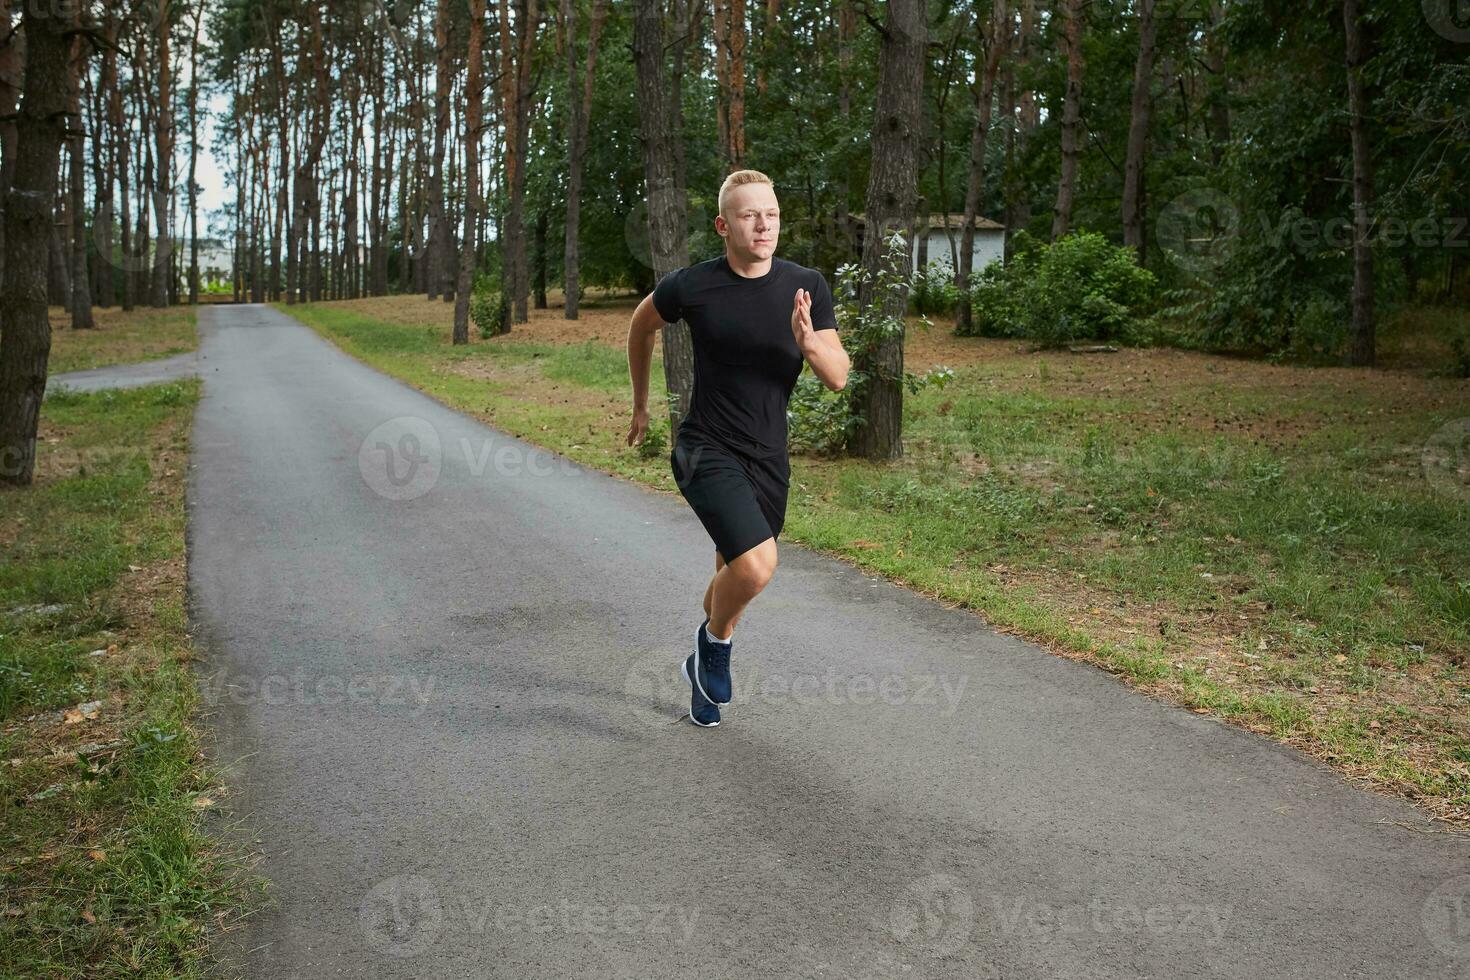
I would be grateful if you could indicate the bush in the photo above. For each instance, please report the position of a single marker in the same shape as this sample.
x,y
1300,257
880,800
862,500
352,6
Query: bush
x,y
489,305
1080,287
934,292
821,420
655,443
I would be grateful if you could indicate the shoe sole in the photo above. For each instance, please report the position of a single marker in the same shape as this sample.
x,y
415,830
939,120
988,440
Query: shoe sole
x,y
684,669
702,692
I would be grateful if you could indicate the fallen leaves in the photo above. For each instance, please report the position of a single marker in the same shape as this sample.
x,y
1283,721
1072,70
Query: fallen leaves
x,y
86,711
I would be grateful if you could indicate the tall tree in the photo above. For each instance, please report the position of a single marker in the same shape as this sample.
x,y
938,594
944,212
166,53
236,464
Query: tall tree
x,y
995,40
579,108
1139,117
729,31
517,39
439,229
163,133
668,242
194,152
890,205
1071,118
10,82
474,105
81,289
25,328
1362,343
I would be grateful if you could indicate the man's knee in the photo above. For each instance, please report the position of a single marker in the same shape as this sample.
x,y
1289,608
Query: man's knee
x,y
756,566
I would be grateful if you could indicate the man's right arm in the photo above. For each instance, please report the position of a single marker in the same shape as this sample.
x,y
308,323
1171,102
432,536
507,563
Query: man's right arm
x,y
642,334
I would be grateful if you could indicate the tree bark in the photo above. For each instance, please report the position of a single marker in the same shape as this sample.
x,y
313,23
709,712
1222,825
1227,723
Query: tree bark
x,y
438,250
1219,88
668,241
729,30
890,203
25,329
1071,121
194,155
474,108
995,43
81,289
163,134
1142,108
579,103
10,82
516,93
1362,350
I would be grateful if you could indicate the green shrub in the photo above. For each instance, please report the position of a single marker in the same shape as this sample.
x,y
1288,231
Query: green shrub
x,y
934,292
821,420
1080,287
655,444
489,305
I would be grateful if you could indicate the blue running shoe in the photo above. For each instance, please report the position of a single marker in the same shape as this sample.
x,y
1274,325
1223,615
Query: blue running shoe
x,y
711,667
701,710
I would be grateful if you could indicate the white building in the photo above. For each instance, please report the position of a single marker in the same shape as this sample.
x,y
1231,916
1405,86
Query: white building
x,y
937,241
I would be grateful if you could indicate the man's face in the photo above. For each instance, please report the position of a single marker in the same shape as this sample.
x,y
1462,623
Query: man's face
x,y
752,221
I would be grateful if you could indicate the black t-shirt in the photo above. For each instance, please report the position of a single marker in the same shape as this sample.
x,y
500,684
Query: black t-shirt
x,y
746,361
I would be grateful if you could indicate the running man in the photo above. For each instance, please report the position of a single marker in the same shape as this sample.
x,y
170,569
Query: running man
x,y
753,319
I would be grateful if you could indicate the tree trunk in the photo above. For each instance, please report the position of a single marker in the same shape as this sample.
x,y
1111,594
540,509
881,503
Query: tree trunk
x,y
81,289
1363,344
729,31
996,43
579,103
891,198
194,156
10,82
104,165
516,93
668,243
474,107
1215,54
1071,121
25,329
1141,112
163,133
438,251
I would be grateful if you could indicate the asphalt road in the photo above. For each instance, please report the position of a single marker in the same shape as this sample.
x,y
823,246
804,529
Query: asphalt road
x,y
442,666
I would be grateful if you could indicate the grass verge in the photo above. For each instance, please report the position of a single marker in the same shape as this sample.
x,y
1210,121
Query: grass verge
x,y
120,338
105,866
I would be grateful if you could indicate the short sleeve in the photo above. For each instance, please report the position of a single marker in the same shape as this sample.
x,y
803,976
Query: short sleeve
x,y
824,317
668,296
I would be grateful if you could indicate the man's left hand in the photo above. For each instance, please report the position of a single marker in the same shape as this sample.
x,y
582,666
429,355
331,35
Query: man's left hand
x,y
801,321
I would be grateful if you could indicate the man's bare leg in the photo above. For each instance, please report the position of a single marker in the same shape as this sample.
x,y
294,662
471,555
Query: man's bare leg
x,y
709,592
735,584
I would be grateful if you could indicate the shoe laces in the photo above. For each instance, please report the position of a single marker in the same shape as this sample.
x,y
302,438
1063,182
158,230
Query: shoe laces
x,y
718,658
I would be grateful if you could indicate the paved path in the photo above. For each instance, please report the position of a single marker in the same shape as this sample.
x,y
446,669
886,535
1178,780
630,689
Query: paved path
x,y
129,375
448,700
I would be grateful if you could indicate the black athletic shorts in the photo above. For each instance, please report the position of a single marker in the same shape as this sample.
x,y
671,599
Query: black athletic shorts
x,y
740,499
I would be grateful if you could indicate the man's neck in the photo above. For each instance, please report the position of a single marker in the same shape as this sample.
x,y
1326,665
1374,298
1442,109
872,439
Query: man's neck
x,y
748,269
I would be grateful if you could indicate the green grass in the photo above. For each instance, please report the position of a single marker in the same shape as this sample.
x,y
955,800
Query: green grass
x,y
142,334
105,866
1308,583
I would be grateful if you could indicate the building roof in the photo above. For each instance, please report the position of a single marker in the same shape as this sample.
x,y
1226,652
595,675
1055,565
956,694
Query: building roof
x,y
954,220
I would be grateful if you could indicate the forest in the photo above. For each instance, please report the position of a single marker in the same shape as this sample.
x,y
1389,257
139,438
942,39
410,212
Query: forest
x,y
1286,172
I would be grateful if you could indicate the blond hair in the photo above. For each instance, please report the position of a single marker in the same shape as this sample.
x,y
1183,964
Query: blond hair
x,y
740,177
